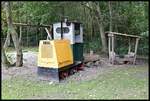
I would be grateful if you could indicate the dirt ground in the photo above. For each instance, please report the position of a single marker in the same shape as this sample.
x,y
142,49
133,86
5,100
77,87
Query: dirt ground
x,y
29,69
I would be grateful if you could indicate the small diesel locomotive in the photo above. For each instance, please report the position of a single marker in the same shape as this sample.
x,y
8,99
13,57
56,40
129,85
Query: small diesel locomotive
x,y
63,55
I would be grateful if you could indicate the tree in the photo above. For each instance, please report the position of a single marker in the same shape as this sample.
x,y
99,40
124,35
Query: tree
x,y
110,12
14,35
97,13
116,16
102,32
5,61
7,41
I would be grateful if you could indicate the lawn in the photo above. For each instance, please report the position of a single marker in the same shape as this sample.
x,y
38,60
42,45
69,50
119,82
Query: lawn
x,y
122,83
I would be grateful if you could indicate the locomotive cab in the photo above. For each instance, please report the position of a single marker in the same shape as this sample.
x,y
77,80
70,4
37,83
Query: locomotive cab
x,y
73,32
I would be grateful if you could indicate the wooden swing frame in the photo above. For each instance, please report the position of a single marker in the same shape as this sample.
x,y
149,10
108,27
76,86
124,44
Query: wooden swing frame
x,y
111,47
48,28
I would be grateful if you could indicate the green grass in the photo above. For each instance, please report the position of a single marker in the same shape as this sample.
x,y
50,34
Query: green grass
x,y
122,83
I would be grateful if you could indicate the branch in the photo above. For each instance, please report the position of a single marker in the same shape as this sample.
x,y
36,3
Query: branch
x,y
90,8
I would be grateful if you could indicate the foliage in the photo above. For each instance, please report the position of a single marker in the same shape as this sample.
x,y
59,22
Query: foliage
x,y
10,58
132,18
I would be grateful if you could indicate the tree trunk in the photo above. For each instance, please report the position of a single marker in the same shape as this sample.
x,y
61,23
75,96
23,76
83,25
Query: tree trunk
x,y
14,35
117,18
97,13
92,25
110,14
5,61
7,41
20,28
102,33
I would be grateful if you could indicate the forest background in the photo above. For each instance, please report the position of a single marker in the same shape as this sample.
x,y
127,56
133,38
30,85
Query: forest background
x,y
123,17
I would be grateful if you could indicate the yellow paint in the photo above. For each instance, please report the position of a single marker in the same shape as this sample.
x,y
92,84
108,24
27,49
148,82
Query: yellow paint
x,y
57,54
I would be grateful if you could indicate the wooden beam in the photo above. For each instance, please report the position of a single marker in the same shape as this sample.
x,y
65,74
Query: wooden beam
x,y
128,35
26,25
49,36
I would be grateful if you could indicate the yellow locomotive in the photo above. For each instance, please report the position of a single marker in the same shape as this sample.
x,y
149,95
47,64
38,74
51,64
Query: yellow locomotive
x,y
63,55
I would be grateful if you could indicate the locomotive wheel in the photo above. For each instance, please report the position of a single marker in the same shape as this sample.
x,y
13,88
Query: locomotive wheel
x,y
71,71
62,75
75,69
66,73
82,66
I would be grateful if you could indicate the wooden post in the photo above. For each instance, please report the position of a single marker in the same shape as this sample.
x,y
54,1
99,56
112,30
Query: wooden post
x,y
22,35
112,48
109,46
48,36
136,46
27,38
91,53
129,50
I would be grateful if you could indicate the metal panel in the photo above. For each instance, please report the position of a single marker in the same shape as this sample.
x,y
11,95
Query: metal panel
x,y
60,54
78,52
63,52
47,54
66,36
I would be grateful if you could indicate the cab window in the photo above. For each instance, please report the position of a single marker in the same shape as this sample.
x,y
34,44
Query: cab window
x,y
77,29
65,30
